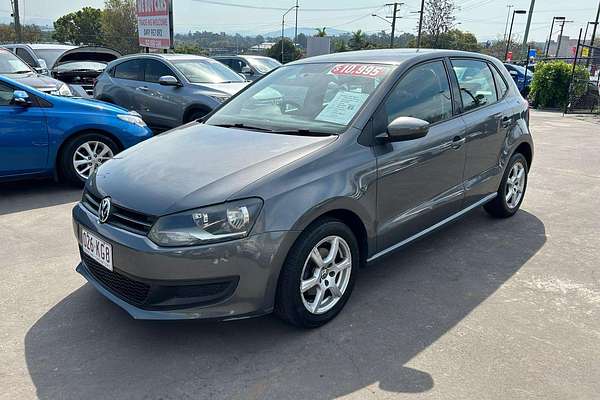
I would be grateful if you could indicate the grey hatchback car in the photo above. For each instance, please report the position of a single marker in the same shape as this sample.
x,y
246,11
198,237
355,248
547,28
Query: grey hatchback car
x,y
167,90
278,197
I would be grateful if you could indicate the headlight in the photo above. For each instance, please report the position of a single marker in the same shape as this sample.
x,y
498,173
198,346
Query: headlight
x,y
220,99
227,221
132,119
63,90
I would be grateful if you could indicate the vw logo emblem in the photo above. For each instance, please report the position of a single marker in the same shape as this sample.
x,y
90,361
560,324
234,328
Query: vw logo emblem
x,y
104,210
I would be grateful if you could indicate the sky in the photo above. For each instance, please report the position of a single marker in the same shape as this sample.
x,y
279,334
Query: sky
x,y
485,18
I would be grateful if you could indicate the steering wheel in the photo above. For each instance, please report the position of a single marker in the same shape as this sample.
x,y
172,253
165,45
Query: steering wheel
x,y
289,107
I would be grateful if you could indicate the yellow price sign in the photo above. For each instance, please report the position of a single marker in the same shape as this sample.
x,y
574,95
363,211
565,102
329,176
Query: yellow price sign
x,y
585,52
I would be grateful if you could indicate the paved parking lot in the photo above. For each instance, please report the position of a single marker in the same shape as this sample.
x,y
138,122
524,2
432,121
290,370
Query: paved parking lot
x,y
485,309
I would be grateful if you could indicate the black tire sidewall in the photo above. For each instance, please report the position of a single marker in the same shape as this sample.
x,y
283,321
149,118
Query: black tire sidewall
x,y
66,167
289,288
502,190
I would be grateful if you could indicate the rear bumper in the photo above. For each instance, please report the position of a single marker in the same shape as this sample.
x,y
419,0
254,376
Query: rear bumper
x,y
228,280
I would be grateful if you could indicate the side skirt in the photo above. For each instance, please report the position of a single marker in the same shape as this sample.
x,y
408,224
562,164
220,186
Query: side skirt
x,y
432,228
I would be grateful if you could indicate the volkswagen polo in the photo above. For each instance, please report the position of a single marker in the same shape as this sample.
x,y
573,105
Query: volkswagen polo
x,y
274,200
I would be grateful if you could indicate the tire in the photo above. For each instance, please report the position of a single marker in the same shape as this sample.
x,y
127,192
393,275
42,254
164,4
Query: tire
x,y
500,206
291,303
106,147
195,115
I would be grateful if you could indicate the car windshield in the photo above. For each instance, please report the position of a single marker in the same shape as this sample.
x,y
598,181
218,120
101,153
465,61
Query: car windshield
x,y
206,71
264,64
11,64
303,98
49,55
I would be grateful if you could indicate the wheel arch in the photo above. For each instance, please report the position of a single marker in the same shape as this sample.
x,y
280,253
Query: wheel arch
x,y
527,151
74,135
194,108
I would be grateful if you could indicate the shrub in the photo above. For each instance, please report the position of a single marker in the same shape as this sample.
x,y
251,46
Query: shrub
x,y
550,84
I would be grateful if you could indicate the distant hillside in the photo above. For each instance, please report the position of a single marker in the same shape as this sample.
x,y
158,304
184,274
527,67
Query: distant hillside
x,y
289,32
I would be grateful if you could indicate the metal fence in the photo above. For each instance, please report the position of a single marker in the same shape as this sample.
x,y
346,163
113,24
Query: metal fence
x,y
584,94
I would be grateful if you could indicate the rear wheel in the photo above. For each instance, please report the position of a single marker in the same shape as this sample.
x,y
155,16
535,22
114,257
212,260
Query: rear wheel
x,y
512,189
83,155
318,275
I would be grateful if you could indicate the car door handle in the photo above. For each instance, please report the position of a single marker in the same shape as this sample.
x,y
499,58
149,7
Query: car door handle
x,y
142,88
457,142
506,121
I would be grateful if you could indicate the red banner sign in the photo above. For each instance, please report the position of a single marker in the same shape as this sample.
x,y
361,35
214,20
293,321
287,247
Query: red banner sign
x,y
367,70
155,25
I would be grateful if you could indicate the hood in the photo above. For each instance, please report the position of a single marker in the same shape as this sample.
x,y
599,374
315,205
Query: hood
x,y
196,165
87,53
91,104
40,82
228,88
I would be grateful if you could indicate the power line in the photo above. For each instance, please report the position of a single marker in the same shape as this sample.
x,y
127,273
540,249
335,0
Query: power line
x,y
238,5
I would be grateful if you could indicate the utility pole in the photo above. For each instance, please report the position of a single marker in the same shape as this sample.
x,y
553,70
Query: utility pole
x,y
592,49
393,17
17,18
420,24
529,16
296,27
509,6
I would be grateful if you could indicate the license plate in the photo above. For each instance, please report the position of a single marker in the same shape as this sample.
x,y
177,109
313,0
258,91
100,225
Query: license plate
x,y
97,249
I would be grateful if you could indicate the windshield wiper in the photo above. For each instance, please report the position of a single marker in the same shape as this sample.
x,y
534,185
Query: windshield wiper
x,y
242,126
22,72
303,132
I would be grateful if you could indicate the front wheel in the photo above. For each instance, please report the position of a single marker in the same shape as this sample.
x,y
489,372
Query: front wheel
x,y
318,275
512,189
84,154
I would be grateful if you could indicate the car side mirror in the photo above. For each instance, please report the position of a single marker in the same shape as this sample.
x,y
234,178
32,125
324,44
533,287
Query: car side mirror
x,y
246,70
513,73
21,98
406,128
168,80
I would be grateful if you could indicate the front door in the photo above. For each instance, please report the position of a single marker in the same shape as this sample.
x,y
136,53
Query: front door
x,y
420,181
23,136
163,105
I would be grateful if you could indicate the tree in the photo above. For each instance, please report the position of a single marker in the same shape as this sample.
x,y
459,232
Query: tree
x,y
290,52
119,26
550,84
321,32
454,39
438,18
302,40
31,33
189,48
358,41
80,27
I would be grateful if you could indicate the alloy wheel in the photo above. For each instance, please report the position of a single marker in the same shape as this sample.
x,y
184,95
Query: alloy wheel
x,y
89,156
326,274
515,185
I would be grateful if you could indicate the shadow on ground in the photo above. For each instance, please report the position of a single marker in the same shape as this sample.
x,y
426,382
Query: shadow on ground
x,y
86,347
35,193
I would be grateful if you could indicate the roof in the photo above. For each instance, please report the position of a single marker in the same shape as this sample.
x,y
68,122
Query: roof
x,y
165,56
40,46
384,56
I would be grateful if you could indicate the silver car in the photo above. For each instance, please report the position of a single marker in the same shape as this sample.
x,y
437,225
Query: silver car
x,y
252,67
167,89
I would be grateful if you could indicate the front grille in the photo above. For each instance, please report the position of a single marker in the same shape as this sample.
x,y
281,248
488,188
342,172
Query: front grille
x,y
120,217
122,286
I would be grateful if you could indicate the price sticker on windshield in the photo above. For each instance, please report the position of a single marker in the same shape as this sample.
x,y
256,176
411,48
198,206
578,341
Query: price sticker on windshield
x,y
366,70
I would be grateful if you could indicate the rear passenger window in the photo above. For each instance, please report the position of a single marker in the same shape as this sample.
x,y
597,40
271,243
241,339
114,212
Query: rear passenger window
x,y
476,83
501,85
424,93
6,95
130,70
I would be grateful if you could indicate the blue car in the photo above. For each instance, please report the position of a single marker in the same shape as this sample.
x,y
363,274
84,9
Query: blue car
x,y
521,76
68,138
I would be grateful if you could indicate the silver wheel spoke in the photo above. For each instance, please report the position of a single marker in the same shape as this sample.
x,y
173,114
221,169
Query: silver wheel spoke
x,y
335,247
309,283
318,299
345,264
316,257
509,195
335,291
80,162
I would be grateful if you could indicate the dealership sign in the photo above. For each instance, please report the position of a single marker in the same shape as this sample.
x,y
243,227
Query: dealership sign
x,y
155,23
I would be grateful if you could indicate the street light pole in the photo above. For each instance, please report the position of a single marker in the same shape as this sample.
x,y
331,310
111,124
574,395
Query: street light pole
x,y
562,28
510,30
529,16
420,23
507,19
551,31
283,28
296,26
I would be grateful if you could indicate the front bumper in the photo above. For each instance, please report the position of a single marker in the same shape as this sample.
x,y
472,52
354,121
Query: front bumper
x,y
227,280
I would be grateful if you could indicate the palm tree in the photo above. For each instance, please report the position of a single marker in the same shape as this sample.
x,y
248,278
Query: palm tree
x,y
358,40
321,32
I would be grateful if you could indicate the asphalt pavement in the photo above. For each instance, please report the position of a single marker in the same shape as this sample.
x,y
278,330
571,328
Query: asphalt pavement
x,y
484,309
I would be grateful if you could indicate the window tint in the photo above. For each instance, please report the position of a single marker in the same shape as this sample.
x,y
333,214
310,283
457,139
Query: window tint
x,y
6,95
237,65
130,70
476,83
24,54
155,69
424,93
501,85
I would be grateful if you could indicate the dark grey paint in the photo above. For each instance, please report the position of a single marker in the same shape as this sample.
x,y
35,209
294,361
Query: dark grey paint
x,y
398,191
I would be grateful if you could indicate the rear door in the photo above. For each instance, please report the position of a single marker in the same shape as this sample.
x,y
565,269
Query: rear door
x,y
23,136
420,182
488,119
127,77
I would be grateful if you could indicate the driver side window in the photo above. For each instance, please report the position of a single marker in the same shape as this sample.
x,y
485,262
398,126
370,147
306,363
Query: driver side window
x,y
424,93
476,83
6,95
